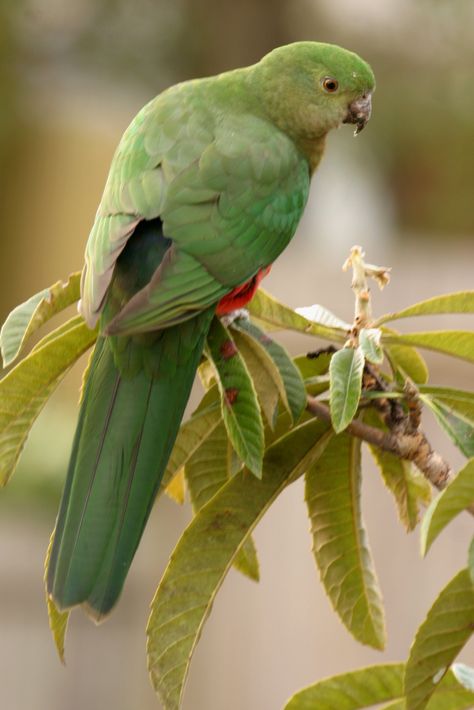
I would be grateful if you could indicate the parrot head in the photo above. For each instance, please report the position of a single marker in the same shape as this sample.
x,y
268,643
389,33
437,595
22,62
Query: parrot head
x,y
309,88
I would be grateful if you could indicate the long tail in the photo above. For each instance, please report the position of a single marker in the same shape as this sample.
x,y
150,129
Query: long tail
x,y
126,430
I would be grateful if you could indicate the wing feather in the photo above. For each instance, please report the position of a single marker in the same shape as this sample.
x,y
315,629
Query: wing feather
x,y
229,189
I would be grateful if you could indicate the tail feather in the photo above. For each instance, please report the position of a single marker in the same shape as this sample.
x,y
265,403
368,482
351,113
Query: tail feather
x,y
126,430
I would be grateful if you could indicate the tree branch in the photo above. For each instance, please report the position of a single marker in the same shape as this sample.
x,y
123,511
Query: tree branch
x,y
412,446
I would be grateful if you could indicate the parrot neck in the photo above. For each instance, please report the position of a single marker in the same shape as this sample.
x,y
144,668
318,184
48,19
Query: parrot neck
x,y
250,90
300,120
312,150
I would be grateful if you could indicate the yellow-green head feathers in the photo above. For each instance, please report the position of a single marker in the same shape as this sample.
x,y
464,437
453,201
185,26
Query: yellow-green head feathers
x,y
307,88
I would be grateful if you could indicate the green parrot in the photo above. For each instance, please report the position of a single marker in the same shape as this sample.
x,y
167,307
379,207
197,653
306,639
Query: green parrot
x,y
205,190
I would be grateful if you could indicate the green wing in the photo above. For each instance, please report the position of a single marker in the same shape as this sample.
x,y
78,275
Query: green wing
x,y
164,137
230,190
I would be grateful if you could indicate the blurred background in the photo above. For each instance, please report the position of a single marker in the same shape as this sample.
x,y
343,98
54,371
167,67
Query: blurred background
x,y
72,75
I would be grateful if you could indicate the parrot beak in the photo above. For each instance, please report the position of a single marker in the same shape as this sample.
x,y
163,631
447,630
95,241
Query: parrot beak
x,y
359,112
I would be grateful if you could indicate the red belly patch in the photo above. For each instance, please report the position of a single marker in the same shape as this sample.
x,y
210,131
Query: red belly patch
x,y
241,295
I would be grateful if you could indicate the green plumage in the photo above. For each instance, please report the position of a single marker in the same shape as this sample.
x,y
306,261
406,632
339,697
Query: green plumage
x,y
135,395
123,441
206,189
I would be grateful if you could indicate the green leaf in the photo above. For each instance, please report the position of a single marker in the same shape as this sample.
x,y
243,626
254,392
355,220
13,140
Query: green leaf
x,y
464,675
460,302
58,623
274,314
457,343
246,560
206,551
449,694
58,332
176,488
322,316
407,361
446,629
28,317
206,374
408,486
460,430
452,501
340,542
470,559
239,404
454,410
369,341
193,433
58,620
317,385
311,366
459,401
350,691
206,472
289,381
207,469
380,394
345,374
314,371
281,426
26,388
264,374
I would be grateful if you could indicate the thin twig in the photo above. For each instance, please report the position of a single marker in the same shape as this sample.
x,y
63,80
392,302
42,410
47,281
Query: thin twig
x,y
361,272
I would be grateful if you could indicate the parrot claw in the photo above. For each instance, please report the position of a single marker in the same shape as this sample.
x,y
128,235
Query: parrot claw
x,y
229,318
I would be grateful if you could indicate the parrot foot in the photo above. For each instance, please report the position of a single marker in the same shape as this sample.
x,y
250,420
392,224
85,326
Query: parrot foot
x,y
229,318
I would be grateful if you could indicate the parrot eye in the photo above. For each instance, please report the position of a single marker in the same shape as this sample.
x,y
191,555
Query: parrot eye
x,y
330,85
